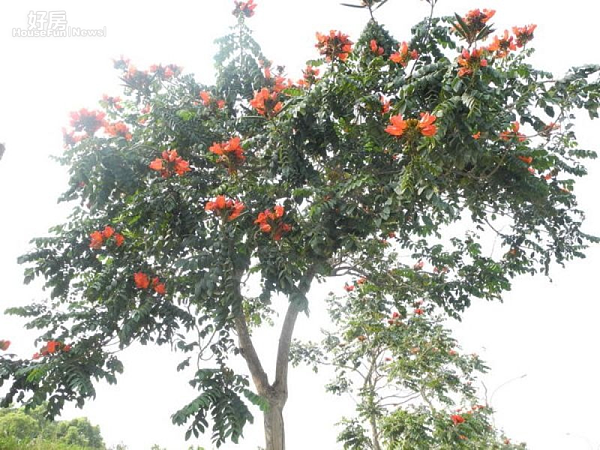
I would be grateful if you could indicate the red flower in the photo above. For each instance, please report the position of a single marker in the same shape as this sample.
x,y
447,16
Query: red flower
x,y
66,348
310,76
476,135
231,153
170,163
403,55
426,124
228,209
502,45
96,241
524,34
336,45
244,9
385,104
36,355
470,62
265,103
53,346
141,280
205,96
457,418
525,159
419,265
108,232
118,129
158,287
349,287
418,311
507,135
375,48
397,127
361,281
272,222
119,239
88,121
4,345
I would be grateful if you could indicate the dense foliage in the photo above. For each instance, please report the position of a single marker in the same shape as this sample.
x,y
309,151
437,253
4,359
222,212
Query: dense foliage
x,y
196,207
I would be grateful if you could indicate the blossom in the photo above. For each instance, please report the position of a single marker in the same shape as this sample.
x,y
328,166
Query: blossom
x,y
375,48
349,287
476,135
385,104
4,344
272,222
53,346
457,418
419,265
141,280
426,124
88,121
118,129
514,133
334,45
158,287
113,102
525,159
310,75
119,239
470,62
228,209
230,153
244,9
403,55
108,232
96,240
397,127
169,163
524,34
502,45
266,103
209,101
418,311
205,96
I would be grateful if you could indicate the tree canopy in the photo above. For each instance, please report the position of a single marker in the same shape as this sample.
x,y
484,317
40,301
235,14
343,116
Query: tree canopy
x,y
196,207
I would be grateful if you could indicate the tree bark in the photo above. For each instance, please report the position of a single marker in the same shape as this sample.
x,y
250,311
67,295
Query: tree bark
x,y
274,427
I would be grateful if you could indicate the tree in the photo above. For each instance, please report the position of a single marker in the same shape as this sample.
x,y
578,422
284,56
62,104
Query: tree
x,y
189,194
28,429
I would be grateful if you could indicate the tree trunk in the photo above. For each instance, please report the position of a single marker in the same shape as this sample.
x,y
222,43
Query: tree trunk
x,y
274,429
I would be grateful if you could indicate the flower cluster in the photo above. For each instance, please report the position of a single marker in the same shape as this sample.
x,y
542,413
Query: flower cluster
x,y
477,18
142,281
272,222
230,153
457,419
335,45
87,121
524,34
403,55
310,75
471,27
266,103
112,102
502,45
118,129
276,83
51,348
226,208
469,62
513,133
410,127
209,101
98,238
244,9
395,319
376,48
169,163
165,72
4,345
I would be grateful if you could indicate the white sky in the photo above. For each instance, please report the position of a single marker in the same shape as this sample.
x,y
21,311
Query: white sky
x,y
545,330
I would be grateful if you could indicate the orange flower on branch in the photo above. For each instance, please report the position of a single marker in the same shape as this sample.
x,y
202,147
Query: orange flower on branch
x,y
170,162
514,133
526,159
108,232
470,62
375,48
310,75
412,127
118,129
266,103
244,9
426,126
272,222
502,45
457,418
209,102
158,287
141,280
403,55
397,127
88,121
524,34
227,209
230,153
335,45
96,240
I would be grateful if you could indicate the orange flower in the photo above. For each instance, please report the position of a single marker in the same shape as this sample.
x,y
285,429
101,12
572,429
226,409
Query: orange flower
x,y
336,45
457,418
476,135
231,153
108,232
426,126
349,287
524,34
53,346
310,75
88,121
118,129
272,222
397,127
205,96
265,103
526,159
97,240
403,55
228,209
170,163
119,239
385,104
502,45
470,62
158,287
418,311
375,48
66,348
4,345
244,9
507,135
141,280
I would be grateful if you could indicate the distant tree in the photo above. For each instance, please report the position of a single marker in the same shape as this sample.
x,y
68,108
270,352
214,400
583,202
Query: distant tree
x,y
187,195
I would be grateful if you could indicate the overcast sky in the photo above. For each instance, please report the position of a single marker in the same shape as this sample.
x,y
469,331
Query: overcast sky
x,y
546,330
